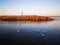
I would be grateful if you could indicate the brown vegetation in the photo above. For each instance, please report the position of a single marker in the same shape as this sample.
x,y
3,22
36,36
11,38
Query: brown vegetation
x,y
25,18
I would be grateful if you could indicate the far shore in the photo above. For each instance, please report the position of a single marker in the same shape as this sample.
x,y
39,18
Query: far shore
x,y
25,18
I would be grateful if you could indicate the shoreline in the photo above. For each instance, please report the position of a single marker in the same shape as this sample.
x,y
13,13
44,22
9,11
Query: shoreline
x,y
25,18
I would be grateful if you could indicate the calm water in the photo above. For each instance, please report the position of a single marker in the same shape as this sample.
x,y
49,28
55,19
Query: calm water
x,y
35,33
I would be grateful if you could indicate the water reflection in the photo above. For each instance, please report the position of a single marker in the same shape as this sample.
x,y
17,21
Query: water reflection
x,y
31,32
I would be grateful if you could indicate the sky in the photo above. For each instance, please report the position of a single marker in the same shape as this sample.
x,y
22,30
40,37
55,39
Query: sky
x,y
30,7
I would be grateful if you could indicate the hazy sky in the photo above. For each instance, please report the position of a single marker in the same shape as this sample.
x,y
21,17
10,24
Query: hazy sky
x,y
36,7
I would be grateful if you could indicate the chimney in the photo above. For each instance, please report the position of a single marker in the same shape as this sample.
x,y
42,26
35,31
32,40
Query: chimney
x,y
21,13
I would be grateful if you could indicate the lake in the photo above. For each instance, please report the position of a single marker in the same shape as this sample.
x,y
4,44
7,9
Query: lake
x,y
30,33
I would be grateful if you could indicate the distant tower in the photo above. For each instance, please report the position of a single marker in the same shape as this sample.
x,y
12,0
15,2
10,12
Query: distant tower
x,y
21,13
